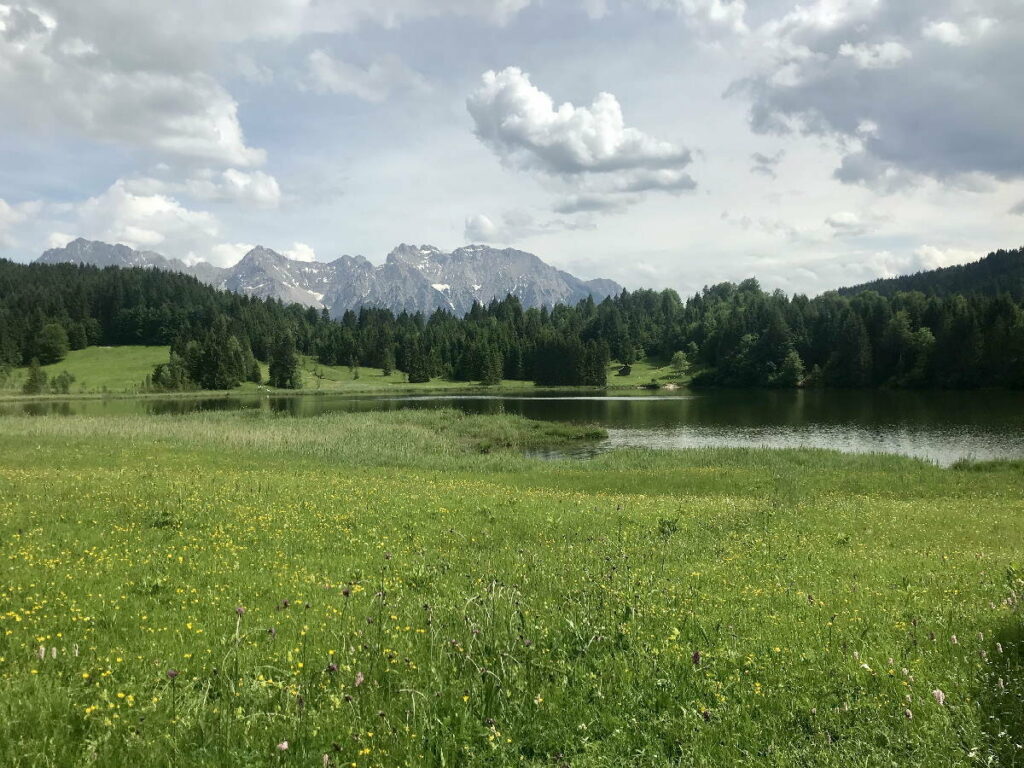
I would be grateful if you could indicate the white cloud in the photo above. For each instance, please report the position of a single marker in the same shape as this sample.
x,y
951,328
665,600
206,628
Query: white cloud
x,y
300,252
375,82
823,273
888,55
246,187
828,75
516,225
591,149
728,15
183,114
944,32
480,229
520,122
256,187
931,257
224,254
951,33
589,203
155,222
13,215
846,223
58,239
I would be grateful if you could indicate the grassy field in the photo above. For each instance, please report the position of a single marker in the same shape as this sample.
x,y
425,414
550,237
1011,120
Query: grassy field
x,y
97,370
122,370
408,589
643,373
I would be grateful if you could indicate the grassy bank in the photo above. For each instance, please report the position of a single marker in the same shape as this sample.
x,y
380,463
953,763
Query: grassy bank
x,y
398,590
121,371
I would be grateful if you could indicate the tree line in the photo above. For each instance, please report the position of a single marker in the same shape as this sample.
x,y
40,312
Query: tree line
x,y
733,335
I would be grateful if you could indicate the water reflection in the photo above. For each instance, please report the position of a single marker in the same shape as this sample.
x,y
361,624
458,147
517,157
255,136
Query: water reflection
x,y
940,426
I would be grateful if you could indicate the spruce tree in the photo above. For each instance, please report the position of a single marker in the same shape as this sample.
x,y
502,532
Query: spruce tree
x,y
417,373
284,364
493,365
36,382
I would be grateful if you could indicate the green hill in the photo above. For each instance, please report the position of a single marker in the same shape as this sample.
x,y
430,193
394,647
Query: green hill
x,y
999,272
99,369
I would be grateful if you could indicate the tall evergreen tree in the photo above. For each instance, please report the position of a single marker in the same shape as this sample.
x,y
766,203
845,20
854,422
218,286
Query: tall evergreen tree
x,y
284,364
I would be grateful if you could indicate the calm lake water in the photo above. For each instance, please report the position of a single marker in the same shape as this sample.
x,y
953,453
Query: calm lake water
x,y
939,426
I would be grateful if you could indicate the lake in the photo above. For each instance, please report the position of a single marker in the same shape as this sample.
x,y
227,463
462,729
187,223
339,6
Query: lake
x,y
942,427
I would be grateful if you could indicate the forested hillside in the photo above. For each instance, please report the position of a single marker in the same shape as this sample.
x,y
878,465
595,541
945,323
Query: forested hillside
x,y
999,272
727,335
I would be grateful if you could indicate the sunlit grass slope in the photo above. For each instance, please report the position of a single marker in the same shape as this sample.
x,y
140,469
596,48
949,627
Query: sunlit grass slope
x,y
643,373
100,369
400,590
122,370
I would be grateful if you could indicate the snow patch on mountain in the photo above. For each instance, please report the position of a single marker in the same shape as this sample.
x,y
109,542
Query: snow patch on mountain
x,y
412,278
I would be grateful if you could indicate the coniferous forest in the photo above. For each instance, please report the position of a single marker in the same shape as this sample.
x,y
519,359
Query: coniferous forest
x,y
966,332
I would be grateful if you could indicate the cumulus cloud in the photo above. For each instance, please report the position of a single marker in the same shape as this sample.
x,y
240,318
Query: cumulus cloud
x,y
589,148
727,15
249,188
936,81
152,222
300,252
11,216
375,82
223,254
190,34
931,257
846,223
481,229
63,81
950,33
824,273
256,187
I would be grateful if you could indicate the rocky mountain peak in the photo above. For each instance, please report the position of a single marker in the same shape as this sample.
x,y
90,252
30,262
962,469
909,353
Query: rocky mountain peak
x,y
415,278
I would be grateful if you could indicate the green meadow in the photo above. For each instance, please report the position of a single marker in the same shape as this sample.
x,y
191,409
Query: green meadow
x,y
411,589
98,370
114,371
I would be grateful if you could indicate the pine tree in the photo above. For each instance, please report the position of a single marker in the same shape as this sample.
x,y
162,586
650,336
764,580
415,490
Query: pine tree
x,y
36,382
417,373
284,364
493,366
77,338
850,363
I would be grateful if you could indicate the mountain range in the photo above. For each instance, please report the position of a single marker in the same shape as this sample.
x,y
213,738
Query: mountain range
x,y
412,278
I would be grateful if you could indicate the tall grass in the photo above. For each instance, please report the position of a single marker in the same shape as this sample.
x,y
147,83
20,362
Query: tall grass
x,y
374,590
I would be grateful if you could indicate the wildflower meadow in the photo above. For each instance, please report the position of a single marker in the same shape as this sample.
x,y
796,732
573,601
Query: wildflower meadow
x,y
412,589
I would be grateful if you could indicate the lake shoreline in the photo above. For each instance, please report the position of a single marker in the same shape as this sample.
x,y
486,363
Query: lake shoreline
x,y
941,427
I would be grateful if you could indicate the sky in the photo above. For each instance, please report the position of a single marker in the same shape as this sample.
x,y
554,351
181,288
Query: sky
x,y
659,143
